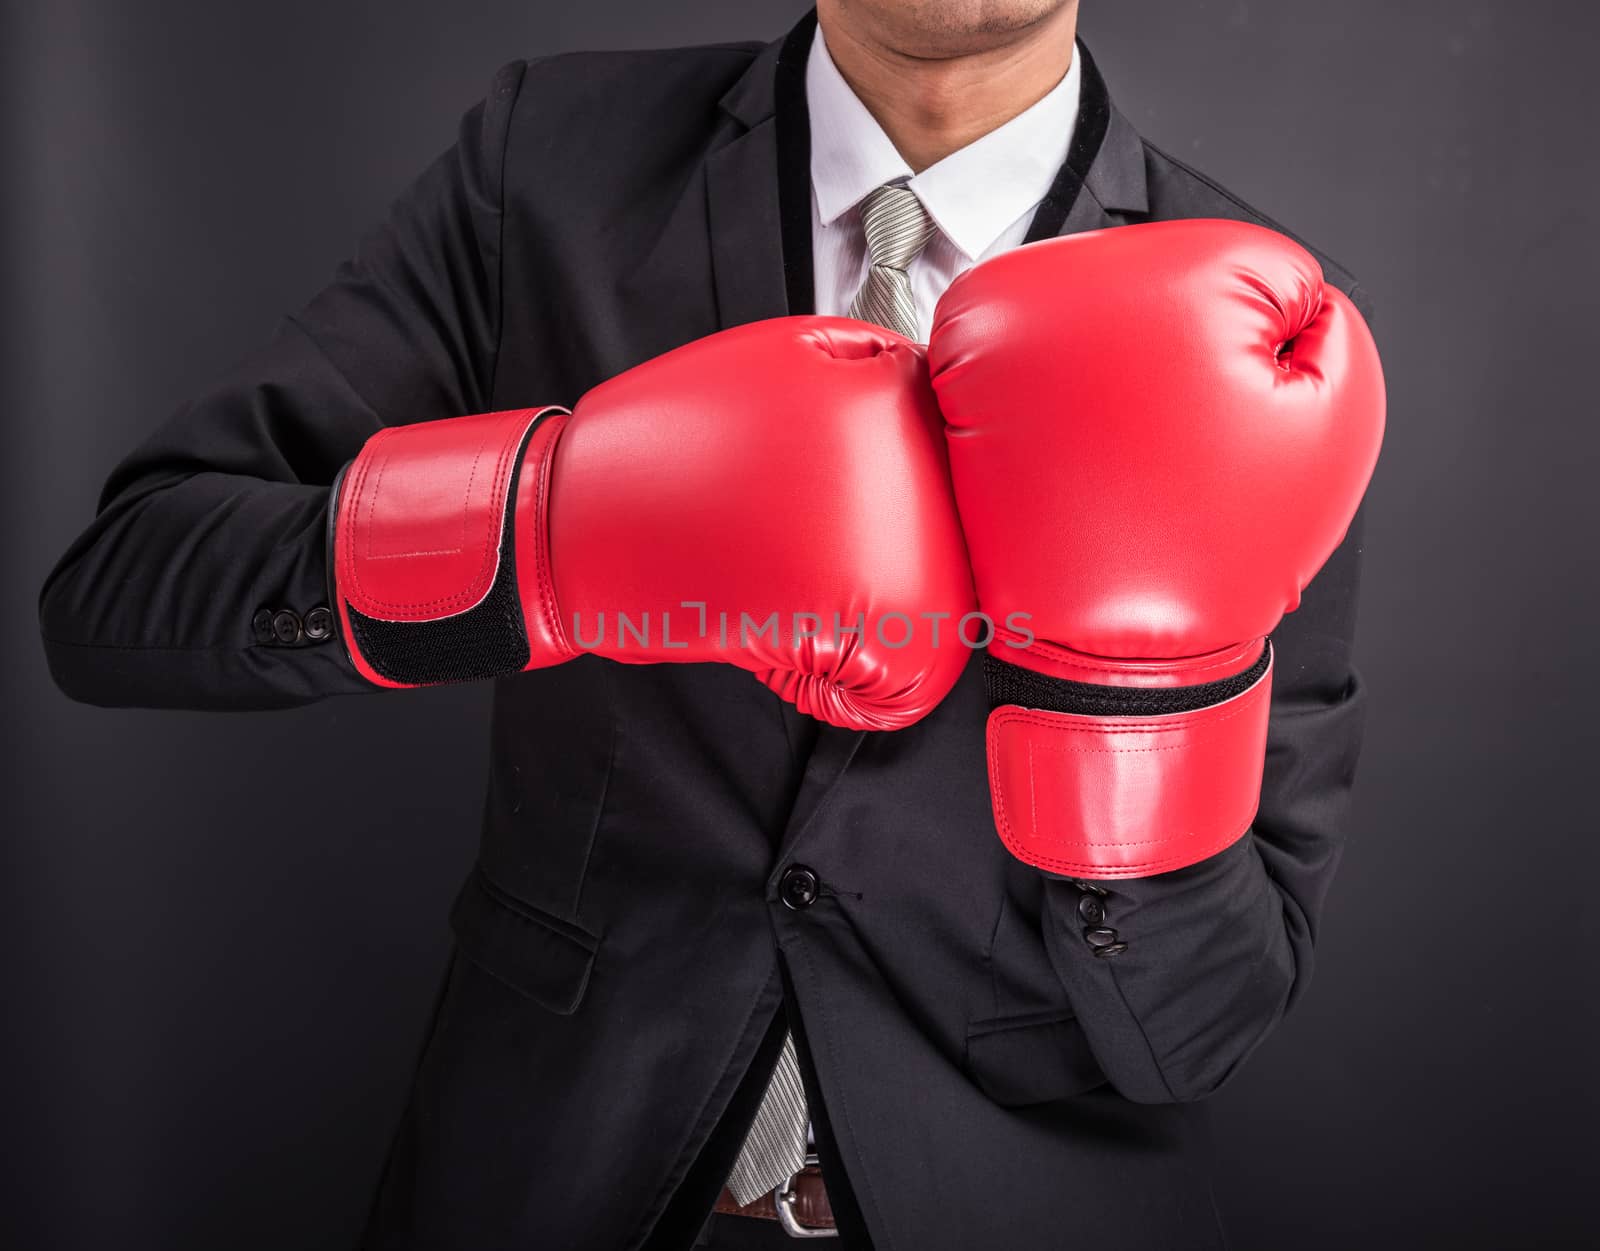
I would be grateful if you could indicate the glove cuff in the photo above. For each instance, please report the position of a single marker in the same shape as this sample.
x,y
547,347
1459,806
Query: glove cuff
x,y
1139,781
424,549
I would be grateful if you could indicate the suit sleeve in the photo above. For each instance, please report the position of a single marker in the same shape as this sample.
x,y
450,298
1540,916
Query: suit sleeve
x,y
1218,951
218,520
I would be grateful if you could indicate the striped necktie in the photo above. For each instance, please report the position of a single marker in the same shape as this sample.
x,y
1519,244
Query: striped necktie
x,y
897,229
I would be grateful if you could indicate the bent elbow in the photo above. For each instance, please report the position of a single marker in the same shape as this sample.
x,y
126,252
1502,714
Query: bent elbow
x,y
1217,1050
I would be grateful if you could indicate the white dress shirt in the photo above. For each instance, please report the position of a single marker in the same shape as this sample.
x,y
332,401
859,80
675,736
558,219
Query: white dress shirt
x,y
981,197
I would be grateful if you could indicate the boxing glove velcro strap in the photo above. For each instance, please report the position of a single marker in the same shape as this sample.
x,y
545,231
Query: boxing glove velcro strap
x,y
424,542
1120,796
1012,684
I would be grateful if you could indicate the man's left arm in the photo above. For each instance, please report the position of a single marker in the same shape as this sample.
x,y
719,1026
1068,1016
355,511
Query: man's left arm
x,y
1217,951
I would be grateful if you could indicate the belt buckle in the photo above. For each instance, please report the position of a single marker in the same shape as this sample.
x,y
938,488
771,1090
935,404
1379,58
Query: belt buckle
x,y
783,1199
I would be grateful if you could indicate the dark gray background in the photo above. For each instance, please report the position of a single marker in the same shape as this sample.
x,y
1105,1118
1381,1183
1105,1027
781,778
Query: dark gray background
x,y
222,932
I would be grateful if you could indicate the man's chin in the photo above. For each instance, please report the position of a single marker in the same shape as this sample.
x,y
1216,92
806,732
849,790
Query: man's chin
x,y
946,29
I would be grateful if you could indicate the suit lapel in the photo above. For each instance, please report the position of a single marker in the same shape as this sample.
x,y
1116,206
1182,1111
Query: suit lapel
x,y
831,754
746,248
729,251
1102,181
758,189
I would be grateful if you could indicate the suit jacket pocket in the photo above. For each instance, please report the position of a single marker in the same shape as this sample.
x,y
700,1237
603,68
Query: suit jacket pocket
x,y
1032,1058
537,955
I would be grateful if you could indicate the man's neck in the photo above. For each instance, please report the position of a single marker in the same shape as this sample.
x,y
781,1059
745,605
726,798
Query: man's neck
x,y
932,106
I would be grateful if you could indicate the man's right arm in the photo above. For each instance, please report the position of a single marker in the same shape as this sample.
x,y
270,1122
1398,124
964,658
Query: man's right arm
x,y
194,584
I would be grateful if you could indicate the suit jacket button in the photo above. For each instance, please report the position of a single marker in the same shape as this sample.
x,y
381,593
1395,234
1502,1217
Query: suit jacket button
x,y
319,624
1110,949
261,625
798,887
1091,910
286,627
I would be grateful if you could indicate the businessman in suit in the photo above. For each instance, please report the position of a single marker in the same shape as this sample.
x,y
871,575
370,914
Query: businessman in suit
x,y
693,902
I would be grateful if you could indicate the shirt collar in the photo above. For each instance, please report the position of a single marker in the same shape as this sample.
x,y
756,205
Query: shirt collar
x,y
973,194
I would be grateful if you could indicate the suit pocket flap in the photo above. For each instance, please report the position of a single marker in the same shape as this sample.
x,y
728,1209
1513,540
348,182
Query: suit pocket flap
x,y
537,955
1020,1060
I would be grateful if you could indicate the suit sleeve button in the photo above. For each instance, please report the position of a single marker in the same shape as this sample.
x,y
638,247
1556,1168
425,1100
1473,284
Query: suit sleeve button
x,y
1104,942
318,624
286,627
261,625
1091,910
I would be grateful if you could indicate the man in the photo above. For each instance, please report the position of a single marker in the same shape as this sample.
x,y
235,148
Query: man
x,y
704,920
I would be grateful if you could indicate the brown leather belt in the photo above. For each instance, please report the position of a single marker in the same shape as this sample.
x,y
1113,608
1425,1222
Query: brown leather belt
x,y
801,1205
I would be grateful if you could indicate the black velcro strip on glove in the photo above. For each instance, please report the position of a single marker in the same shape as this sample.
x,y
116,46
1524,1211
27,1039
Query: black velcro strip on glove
x,y
486,641
1011,684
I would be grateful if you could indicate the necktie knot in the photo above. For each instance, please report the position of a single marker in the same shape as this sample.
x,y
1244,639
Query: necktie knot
x,y
896,225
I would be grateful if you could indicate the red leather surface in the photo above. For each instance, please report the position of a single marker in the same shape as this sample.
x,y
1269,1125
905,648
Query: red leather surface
x,y
1111,797
421,512
788,466
1134,464
1158,434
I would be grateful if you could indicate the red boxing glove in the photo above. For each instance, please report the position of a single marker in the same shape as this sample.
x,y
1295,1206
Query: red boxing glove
x,y
775,496
1158,434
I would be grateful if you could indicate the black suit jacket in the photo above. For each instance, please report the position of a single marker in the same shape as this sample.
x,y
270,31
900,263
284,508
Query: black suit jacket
x,y
978,1077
